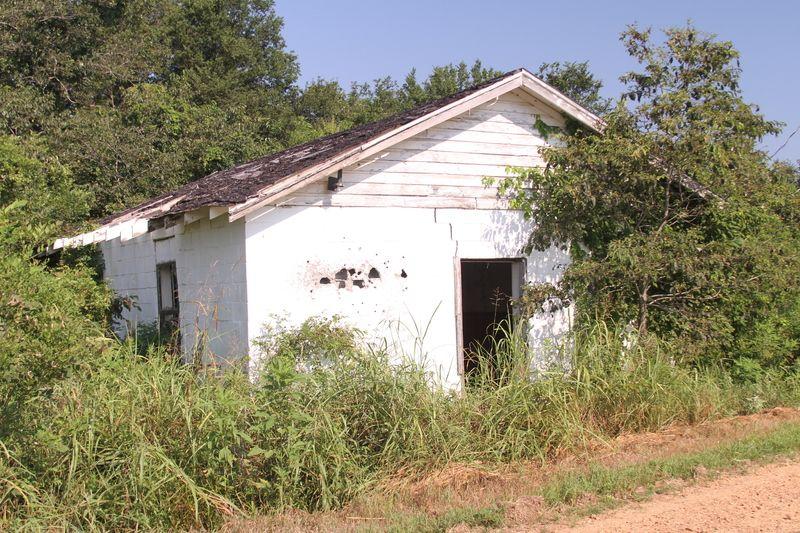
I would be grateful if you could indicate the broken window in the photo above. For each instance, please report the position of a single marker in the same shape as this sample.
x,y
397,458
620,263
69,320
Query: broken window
x,y
168,304
488,289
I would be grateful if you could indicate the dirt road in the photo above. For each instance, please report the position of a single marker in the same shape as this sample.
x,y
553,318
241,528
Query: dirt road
x,y
765,499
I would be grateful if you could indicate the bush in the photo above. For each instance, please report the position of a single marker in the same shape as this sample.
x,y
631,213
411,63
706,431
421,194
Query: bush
x,y
143,442
50,322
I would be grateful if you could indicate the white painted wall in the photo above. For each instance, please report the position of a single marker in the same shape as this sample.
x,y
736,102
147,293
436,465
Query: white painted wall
x,y
212,290
412,213
209,256
418,208
130,270
290,249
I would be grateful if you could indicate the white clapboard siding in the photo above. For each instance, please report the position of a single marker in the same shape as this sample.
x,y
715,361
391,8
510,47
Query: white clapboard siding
x,y
357,200
521,102
473,147
490,126
455,180
445,166
504,115
404,189
443,133
466,158
420,167
549,115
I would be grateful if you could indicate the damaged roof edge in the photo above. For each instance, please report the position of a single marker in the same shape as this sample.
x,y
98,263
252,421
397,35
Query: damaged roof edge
x,y
134,227
248,186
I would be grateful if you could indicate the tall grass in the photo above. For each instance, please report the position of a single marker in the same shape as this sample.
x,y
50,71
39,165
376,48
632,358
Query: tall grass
x,y
142,442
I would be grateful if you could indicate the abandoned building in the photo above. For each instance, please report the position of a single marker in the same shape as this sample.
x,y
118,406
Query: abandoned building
x,y
389,226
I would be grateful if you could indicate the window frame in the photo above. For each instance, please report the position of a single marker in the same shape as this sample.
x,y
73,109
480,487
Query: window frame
x,y
168,317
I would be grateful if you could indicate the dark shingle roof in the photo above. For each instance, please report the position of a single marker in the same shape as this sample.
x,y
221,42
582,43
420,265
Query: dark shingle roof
x,y
242,182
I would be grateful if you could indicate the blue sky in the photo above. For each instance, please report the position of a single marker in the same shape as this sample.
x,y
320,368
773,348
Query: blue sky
x,y
351,40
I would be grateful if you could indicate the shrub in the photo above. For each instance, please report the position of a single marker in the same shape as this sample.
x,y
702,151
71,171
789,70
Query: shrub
x,y
50,322
143,442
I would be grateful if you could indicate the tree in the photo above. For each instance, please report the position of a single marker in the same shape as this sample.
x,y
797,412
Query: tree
x,y
325,107
444,81
139,96
45,198
678,222
576,81
51,320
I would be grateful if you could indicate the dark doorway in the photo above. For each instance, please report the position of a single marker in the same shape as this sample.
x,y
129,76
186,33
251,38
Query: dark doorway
x,y
168,305
487,290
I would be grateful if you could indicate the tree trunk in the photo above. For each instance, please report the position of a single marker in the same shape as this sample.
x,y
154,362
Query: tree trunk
x,y
643,304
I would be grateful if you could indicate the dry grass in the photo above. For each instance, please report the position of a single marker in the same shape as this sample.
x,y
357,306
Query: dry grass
x,y
514,487
331,426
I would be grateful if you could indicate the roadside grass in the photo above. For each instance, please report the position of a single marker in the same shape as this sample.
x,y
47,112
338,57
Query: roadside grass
x,y
485,517
136,442
606,487
576,493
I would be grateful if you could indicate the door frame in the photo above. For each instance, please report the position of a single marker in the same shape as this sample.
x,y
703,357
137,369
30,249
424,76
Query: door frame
x,y
521,264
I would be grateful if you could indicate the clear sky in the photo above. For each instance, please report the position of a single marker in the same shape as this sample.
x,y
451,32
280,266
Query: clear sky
x,y
352,40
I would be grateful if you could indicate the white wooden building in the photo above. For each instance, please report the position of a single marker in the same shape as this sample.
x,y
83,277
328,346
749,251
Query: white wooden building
x,y
388,226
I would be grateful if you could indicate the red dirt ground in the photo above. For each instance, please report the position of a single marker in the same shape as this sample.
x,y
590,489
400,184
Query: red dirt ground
x,y
765,499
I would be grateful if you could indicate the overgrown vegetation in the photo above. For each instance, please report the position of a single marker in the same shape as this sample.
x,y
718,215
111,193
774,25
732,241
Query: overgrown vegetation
x,y
136,441
679,224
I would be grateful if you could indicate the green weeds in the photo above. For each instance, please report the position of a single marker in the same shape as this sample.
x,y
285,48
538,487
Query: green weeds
x,y
144,442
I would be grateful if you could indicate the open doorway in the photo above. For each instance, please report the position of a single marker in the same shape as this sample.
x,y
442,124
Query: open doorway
x,y
168,305
488,288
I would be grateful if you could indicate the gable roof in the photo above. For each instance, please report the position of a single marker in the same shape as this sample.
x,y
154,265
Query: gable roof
x,y
248,186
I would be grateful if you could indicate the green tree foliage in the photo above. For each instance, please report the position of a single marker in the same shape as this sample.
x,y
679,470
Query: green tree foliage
x,y
44,197
140,96
51,320
678,221
325,107
576,81
444,81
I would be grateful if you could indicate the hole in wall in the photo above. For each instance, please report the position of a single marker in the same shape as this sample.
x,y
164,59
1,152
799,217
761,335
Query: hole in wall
x,y
352,277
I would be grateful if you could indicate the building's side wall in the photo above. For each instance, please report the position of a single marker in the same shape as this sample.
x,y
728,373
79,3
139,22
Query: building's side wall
x,y
212,285
294,255
129,269
209,256
411,213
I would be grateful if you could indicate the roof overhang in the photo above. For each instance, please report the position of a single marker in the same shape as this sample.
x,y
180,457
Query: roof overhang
x,y
136,223
522,80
